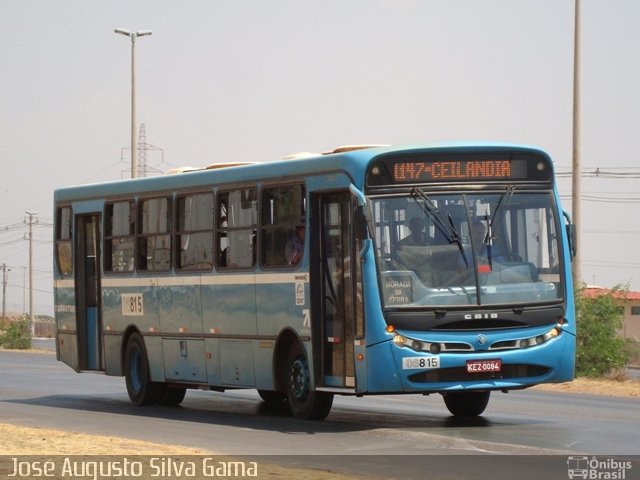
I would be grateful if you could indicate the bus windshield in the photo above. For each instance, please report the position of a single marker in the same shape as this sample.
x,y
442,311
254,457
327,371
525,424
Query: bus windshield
x,y
473,248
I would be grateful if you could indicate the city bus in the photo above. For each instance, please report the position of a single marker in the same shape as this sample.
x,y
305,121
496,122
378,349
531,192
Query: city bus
x,y
420,269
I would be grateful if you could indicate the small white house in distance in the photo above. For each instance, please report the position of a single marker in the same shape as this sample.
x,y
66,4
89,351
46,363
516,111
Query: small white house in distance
x,y
630,302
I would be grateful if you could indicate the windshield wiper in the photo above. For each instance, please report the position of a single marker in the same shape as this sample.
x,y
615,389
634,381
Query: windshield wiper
x,y
501,203
445,225
492,231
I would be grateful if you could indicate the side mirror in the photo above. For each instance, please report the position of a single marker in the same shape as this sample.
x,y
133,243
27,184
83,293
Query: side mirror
x,y
360,225
571,234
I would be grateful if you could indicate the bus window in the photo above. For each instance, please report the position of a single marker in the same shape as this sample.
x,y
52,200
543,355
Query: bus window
x,y
283,215
194,239
63,241
119,239
237,219
154,239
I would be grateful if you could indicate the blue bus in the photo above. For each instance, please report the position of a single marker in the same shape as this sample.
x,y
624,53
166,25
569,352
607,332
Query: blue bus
x,y
365,270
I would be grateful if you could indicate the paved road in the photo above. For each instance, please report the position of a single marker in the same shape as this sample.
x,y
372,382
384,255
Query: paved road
x,y
386,435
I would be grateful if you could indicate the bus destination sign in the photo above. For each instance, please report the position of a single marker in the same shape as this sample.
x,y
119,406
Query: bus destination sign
x,y
458,170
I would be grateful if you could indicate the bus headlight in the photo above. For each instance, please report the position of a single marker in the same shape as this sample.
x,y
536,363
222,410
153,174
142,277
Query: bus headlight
x,y
540,339
399,340
522,343
416,345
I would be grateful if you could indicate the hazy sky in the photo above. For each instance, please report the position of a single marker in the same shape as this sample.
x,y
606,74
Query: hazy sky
x,y
255,80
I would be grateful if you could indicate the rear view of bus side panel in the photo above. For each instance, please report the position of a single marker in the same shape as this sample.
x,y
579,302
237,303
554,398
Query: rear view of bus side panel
x,y
64,288
66,337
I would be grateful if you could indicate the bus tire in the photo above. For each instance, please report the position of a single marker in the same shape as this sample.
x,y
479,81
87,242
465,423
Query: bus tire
x,y
141,390
466,404
304,401
172,396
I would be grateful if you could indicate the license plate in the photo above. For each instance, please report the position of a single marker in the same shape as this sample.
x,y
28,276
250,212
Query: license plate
x,y
421,363
482,366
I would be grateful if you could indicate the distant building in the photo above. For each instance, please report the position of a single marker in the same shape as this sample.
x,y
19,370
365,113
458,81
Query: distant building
x,y
629,302
44,325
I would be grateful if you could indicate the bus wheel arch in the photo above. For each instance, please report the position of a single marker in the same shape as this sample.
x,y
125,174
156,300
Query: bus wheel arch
x,y
305,402
141,390
286,338
130,330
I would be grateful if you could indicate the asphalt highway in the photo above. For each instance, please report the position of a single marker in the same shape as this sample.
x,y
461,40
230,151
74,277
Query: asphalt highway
x,y
388,436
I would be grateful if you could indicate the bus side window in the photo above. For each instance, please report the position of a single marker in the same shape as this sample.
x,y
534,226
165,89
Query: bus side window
x,y
237,228
154,236
194,237
283,218
63,241
119,239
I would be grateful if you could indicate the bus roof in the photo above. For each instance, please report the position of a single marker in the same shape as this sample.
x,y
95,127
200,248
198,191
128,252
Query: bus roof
x,y
350,159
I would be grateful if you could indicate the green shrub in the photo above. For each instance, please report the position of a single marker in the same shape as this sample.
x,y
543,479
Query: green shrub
x,y
600,348
16,335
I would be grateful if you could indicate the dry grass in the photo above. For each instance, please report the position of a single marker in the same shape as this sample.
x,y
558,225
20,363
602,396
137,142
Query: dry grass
x,y
612,388
23,441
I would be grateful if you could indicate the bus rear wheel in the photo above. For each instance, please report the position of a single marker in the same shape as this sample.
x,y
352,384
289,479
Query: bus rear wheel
x,y
141,390
466,404
304,401
172,396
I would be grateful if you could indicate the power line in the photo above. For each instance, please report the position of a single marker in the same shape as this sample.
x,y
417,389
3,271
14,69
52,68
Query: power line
x,y
600,199
11,242
615,232
598,173
594,263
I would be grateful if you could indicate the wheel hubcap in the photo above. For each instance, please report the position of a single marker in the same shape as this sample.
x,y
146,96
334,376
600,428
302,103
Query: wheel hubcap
x,y
134,368
299,380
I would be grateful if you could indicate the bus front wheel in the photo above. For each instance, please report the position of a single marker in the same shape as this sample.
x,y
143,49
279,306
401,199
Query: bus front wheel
x,y
272,398
141,390
304,401
466,404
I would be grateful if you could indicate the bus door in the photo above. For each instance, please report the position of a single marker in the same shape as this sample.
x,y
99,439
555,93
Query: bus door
x,y
88,315
333,290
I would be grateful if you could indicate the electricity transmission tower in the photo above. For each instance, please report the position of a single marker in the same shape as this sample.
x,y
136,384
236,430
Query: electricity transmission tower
x,y
144,169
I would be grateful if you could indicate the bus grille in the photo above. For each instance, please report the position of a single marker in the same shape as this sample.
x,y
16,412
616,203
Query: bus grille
x,y
460,374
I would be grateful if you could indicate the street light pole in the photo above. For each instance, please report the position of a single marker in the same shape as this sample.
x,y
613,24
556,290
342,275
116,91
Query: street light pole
x,y
576,187
134,150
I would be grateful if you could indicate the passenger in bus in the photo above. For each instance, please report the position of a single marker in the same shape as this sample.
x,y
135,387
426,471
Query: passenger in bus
x,y
417,235
294,247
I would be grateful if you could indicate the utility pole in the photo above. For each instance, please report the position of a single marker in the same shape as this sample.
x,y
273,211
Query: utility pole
x,y
24,289
134,151
30,237
576,189
5,274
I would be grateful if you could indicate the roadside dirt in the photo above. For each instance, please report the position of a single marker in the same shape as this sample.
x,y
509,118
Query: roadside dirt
x,y
612,388
43,442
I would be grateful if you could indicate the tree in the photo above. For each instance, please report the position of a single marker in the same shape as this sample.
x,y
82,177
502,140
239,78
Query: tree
x,y
600,348
15,335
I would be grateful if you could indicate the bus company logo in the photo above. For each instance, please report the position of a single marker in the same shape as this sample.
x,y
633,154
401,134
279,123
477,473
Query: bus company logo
x,y
481,339
480,316
596,468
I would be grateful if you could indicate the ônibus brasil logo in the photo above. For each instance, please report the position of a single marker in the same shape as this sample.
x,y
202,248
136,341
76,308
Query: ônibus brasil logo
x,y
596,468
